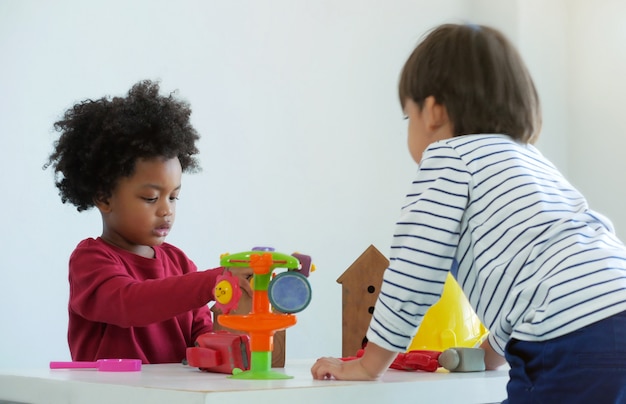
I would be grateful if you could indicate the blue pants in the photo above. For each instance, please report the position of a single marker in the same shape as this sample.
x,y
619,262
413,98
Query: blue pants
x,y
586,366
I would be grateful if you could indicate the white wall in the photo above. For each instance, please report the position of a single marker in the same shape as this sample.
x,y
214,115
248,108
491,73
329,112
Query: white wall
x,y
539,30
597,63
303,144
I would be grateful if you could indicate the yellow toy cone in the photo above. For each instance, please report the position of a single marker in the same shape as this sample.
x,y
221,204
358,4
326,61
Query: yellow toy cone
x,y
451,322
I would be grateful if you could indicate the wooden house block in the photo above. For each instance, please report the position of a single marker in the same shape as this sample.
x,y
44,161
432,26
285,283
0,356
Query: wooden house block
x,y
361,284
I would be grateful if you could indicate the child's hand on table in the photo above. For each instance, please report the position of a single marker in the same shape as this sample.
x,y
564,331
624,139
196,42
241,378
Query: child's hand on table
x,y
333,368
371,366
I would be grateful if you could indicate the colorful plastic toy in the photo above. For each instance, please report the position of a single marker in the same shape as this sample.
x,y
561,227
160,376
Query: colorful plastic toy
x,y
220,352
453,359
274,301
227,291
409,361
461,359
451,322
103,365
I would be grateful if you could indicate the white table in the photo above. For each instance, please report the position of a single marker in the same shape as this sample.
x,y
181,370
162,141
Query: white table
x,y
174,383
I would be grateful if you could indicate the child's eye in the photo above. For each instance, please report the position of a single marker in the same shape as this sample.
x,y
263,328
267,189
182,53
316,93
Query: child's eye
x,y
405,117
150,200
173,198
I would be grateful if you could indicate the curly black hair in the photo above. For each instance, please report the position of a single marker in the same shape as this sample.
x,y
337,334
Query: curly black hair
x,y
101,141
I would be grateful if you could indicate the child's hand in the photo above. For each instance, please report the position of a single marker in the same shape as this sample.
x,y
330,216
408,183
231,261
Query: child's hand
x,y
371,366
493,360
333,368
244,275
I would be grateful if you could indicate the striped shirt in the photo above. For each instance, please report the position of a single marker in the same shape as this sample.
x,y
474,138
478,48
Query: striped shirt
x,y
533,260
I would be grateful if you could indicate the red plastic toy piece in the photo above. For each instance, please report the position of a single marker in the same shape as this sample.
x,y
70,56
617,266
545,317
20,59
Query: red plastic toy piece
x,y
220,352
410,361
417,360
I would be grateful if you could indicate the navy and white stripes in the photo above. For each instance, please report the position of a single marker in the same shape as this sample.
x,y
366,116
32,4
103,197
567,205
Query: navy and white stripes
x,y
533,260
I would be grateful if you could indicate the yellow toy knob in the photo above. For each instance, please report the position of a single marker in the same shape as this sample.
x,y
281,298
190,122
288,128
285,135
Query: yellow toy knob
x,y
223,292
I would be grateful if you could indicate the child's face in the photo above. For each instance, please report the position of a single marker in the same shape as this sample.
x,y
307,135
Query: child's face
x,y
141,210
427,125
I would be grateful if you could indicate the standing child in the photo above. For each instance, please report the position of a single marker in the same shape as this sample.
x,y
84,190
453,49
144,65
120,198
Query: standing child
x,y
131,294
544,273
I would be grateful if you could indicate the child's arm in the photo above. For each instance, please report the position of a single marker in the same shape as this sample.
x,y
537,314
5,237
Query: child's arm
x,y
105,290
371,366
493,360
126,302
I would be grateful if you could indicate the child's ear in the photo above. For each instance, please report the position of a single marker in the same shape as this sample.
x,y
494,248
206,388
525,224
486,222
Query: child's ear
x,y
437,114
102,203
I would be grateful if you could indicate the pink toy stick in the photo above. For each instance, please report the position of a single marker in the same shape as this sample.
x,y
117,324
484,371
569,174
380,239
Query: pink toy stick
x,y
103,365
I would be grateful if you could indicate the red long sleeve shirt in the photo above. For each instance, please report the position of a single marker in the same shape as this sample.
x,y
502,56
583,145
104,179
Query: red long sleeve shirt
x,y
126,306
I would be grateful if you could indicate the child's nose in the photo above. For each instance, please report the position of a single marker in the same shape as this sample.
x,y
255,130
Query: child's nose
x,y
166,209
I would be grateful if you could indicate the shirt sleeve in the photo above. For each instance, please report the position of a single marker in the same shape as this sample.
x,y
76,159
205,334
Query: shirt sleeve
x,y
423,247
103,290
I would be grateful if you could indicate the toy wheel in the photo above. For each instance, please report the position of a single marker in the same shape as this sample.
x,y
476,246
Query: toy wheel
x,y
289,292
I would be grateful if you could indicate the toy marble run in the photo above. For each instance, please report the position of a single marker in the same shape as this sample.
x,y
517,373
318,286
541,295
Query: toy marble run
x,y
275,299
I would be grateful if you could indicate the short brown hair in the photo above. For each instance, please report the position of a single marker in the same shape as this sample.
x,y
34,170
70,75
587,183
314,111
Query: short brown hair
x,y
479,76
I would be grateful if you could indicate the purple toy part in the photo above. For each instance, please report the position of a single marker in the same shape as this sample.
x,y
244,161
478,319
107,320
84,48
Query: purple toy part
x,y
305,263
270,249
103,365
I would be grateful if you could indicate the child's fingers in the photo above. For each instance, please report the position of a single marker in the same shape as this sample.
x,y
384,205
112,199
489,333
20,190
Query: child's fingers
x,y
324,368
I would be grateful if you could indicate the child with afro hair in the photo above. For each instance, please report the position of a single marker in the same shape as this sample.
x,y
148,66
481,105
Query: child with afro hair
x,y
132,295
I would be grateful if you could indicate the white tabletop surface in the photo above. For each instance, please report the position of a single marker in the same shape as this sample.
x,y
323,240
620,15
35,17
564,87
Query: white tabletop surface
x,y
174,383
